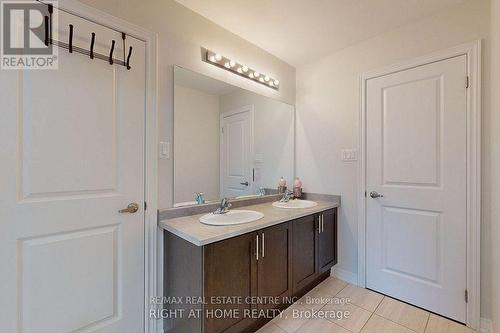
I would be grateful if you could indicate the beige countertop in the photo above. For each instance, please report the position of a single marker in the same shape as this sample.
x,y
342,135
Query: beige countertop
x,y
192,230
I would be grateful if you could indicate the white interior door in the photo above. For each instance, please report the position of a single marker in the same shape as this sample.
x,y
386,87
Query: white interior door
x,y
72,155
416,159
237,152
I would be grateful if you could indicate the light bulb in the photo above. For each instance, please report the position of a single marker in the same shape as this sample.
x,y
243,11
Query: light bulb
x,y
266,78
261,79
239,70
211,58
256,74
232,63
218,57
276,82
227,65
251,75
244,69
271,84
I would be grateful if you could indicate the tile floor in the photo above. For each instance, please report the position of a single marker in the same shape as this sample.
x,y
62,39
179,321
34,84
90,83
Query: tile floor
x,y
369,312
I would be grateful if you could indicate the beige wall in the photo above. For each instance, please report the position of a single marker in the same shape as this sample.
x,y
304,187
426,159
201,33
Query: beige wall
x,y
328,110
181,33
197,117
494,152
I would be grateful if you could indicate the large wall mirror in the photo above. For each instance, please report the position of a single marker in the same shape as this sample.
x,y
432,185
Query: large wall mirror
x,y
228,142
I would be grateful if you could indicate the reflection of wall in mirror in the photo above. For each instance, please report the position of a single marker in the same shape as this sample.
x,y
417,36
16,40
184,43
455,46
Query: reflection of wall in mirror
x,y
196,143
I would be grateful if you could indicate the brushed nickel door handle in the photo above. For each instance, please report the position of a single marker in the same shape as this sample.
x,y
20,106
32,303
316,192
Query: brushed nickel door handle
x,y
245,183
263,245
374,195
257,248
131,208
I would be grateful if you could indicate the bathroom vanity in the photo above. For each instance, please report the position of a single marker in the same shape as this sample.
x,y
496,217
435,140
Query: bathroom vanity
x,y
244,273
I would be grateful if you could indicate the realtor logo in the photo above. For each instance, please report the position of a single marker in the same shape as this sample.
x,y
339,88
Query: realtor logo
x,y
26,32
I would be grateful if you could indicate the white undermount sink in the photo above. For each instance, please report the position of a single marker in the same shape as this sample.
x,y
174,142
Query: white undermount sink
x,y
295,204
232,217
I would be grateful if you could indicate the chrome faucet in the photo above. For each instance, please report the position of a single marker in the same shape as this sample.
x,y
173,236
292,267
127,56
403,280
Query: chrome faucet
x,y
224,206
286,196
198,198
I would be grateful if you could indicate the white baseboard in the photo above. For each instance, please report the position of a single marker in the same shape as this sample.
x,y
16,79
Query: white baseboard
x,y
486,325
344,275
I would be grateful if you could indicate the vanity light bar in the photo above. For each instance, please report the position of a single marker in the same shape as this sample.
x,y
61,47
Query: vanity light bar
x,y
239,69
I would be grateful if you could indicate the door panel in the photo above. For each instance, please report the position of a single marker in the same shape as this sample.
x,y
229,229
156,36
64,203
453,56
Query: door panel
x,y
72,152
275,263
304,251
237,152
327,242
416,158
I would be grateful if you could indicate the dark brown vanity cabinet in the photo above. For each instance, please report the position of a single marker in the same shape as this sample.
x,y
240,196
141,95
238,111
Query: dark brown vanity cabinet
x,y
304,249
327,240
235,275
274,266
314,248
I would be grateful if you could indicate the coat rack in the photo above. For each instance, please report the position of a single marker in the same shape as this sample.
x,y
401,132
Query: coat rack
x,y
90,52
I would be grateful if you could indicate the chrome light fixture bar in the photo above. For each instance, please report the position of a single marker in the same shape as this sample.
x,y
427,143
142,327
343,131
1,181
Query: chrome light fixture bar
x,y
239,69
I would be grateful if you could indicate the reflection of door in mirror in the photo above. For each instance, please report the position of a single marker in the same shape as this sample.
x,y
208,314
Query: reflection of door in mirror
x,y
236,169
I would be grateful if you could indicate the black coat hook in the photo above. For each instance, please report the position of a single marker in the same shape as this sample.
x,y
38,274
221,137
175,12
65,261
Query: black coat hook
x,y
111,52
128,57
51,11
46,31
92,41
70,47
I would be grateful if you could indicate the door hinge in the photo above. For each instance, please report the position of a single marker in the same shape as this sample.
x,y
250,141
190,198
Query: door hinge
x,y
145,205
365,194
466,296
222,129
467,82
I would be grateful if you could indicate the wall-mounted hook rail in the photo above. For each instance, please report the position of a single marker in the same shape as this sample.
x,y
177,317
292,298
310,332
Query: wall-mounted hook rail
x,y
73,48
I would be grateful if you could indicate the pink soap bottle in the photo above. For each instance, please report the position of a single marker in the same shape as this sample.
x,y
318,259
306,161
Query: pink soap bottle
x,y
297,188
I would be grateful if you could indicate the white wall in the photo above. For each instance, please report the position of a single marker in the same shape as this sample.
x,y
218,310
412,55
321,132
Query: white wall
x,y
181,33
494,152
197,117
273,136
328,109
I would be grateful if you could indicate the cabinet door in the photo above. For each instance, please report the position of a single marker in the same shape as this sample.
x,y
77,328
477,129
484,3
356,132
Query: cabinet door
x,y
230,270
327,240
304,252
274,264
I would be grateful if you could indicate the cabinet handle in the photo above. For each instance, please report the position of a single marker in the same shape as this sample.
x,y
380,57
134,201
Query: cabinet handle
x,y
257,252
322,223
319,224
263,245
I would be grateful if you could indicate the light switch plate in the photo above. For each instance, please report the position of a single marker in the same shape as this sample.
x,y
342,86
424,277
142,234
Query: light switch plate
x,y
349,155
164,150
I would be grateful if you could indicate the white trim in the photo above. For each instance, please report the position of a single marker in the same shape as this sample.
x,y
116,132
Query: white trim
x,y
152,238
246,108
473,53
344,275
486,326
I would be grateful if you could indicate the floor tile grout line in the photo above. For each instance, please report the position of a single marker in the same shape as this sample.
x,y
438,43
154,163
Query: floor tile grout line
x,y
427,322
366,323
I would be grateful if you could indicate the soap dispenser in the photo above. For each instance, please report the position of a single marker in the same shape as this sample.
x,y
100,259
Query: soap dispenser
x,y
282,186
297,188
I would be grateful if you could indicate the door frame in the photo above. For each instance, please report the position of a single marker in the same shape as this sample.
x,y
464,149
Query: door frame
x,y
152,275
246,108
473,109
